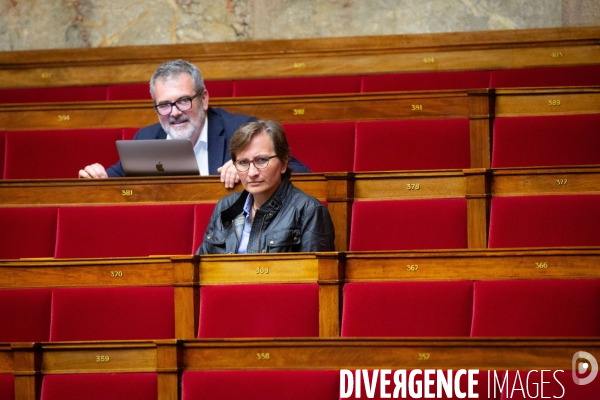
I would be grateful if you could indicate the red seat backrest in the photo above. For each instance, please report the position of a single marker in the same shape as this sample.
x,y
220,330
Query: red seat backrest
x,y
121,386
266,310
129,133
32,232
540,77
7,387
412,145
25,315
527,308
386,224
2,152
546,141
263,385
297,86
55,154
545,221
454,80
202,213
124,231
323,146
53,94
113,313
407,309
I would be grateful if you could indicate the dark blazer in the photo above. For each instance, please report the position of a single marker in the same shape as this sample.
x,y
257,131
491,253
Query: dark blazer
x,y
221,127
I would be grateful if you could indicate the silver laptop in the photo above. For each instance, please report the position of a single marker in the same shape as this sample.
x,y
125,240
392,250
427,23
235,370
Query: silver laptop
x,y
157,157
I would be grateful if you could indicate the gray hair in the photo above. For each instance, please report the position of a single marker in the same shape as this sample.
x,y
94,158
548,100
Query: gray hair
x,y
174,68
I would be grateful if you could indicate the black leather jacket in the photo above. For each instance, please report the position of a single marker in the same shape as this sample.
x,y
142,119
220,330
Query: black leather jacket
x,y
290,221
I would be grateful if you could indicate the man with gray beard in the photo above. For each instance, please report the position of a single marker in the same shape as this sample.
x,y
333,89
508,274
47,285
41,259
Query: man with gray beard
x,y
181,102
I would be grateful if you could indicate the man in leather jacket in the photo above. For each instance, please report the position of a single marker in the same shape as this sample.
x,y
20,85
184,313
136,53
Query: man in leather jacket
x,y
271,215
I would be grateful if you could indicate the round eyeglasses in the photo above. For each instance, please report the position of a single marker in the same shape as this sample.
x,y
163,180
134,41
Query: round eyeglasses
x,y
243,165
182,104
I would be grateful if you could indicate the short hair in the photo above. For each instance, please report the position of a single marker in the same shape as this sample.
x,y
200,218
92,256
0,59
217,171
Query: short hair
x,y
174,68
246,132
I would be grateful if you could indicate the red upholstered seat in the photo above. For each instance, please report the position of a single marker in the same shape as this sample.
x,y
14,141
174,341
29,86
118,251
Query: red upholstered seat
x,y
546,141
124,386
2,151
25,315
268,310
7,387
129,133
412,145
112,313
202,213
386,225
545,221
124,231
263,385
297,86
557,385
540,77
324,146
53,94
29,232
58,153
131,91
426,81
219,88
407,309
536,308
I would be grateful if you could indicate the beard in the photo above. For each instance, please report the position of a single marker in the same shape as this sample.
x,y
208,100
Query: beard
x,y
186,131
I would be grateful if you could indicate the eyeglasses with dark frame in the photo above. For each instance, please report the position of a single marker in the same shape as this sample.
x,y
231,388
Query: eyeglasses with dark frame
x,y
182,104
243,165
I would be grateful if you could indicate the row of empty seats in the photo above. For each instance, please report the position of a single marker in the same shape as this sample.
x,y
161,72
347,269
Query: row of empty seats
x,y
104,231
509,78
429,144
505,308
143,230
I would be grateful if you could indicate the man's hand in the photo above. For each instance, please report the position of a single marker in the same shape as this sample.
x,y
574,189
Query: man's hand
x,y
93,171
229,174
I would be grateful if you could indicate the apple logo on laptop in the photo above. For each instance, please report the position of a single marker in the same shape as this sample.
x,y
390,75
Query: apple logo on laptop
x,y
159,167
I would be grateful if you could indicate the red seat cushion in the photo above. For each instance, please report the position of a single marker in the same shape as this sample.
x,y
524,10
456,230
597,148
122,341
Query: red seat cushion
x,y
537,308
407,309
426,81
25,315
202,213
58,153
124,231
32,232
545,221
557,385
386,225
297,86
263,385
53,94
539,77
546,141
114,313
268,310
219,88
138,386
7,387
335,149
412,145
